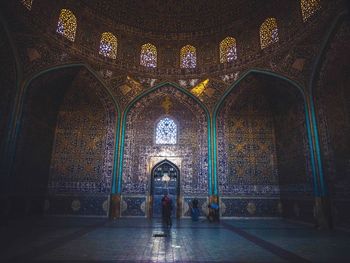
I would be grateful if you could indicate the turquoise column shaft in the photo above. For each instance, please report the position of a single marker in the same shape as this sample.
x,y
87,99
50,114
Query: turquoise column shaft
x,y
311,149
116,155
323,191
216,192
210,190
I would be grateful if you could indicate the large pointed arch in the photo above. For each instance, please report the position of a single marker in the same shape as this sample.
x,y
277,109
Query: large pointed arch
x,y
24,89
138,98
299,88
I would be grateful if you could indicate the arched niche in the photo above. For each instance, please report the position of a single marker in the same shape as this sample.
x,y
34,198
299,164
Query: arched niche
x,y
165,179
66,143
141,152
263,159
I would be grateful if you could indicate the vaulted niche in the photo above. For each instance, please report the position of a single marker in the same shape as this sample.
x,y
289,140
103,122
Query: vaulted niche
x,y
263,157
66,144
165,124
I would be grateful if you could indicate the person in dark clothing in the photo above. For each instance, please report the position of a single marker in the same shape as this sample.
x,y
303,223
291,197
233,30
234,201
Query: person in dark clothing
x,y
167,207
194,210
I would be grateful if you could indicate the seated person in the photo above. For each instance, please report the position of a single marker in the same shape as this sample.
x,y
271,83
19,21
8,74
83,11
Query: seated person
x,y
213,214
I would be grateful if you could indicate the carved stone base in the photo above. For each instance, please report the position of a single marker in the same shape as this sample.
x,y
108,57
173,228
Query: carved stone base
x,y
115,206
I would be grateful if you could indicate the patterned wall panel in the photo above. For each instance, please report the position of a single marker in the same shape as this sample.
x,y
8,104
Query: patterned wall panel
x,y
292,149
34,144
247,162
81,159
332,96
292,146
83,148
133,206
43,97
250,207
190,153
81,205
262,148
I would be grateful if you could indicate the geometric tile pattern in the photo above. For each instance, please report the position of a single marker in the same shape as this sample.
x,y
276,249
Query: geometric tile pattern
x,y
133,206
190,153
83,148
246,144
263,152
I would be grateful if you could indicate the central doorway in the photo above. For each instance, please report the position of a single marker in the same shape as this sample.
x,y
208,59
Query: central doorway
x,y
165,180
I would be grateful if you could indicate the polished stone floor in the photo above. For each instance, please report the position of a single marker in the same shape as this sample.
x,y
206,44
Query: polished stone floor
x,y
141,240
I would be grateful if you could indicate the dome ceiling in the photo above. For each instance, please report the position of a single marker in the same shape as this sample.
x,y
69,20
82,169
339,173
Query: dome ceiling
x,y
175,16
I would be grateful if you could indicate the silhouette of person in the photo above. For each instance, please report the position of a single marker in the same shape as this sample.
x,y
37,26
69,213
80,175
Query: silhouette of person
x,y
194,210
167,207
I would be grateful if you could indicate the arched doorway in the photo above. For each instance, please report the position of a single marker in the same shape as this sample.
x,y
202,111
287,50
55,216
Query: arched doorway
x,y
165,180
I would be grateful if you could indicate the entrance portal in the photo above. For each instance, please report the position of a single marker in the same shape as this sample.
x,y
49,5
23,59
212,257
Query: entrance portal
x,y
165,180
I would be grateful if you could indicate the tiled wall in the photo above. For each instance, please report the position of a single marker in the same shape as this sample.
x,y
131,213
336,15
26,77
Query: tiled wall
x,y
292,149
134,205
83,148
263,153
33,153
141,153
247,165
77,204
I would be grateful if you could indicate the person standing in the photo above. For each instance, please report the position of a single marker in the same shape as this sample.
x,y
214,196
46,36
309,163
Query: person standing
x,y
167,207
194,210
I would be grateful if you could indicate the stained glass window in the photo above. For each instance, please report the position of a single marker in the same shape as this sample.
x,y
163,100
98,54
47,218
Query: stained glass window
x,y
308,8
27,3
108,45
67,24
148,57
188,58
268,32
166,131
228,50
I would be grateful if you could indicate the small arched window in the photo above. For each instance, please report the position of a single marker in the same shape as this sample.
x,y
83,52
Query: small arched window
x,y
148,57
188,57
308,8
67,24
166,131
268,32
27,3
108,45
228,50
